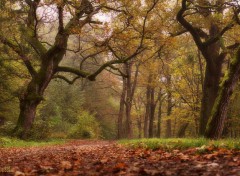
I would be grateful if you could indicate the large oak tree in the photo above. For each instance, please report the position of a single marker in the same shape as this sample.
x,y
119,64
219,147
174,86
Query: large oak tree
x,y
209,39
43,61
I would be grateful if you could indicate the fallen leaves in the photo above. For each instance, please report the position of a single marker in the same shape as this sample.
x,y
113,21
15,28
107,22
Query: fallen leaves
x,y
108,158
66,165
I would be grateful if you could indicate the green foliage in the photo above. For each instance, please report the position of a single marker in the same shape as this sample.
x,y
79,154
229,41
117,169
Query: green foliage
x,y
176,143
41,130
86,127
63,102
7,128
10,82
108,129
52,127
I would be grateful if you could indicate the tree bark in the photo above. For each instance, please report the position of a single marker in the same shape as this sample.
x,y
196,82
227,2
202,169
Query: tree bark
x,y
168,132
31,98
128,123
159,116
130,90
121,111
139,124
182,130
210,89
148,106
146,117
219,112
152,112
211,52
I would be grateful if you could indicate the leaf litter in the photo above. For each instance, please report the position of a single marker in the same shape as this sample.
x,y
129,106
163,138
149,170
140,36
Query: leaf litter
x,y
82,157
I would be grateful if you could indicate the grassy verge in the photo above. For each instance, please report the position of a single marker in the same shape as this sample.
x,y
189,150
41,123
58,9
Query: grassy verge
x,y
177,143
14,142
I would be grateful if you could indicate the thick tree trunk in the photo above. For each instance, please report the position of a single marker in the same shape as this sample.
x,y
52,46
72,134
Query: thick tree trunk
x,y
26,117
29,100
121,111
213,73
33,95
219,112
210,89
213,56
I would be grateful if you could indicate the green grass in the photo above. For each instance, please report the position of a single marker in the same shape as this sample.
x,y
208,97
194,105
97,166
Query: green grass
x,y
14,142
181,143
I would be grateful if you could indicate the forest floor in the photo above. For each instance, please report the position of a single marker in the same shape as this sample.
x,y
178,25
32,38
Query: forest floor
x,y
109,158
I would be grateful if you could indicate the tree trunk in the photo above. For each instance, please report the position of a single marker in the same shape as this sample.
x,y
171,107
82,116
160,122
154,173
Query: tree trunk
x,y
130,90
159,118
26,117
213,56
121,111
219,112
146,118
169,109
147,112
152,112
182,130
139,124
33,95
29,100
214,61
210,89
128,67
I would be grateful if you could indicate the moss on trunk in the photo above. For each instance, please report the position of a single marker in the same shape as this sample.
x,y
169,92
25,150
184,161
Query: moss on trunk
x,y
219,112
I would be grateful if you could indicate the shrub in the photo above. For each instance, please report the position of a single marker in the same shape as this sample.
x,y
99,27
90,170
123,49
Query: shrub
x,y
7,128
86,127
41,130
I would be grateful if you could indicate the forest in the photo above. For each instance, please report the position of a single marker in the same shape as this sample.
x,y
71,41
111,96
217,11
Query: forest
x,y
120,70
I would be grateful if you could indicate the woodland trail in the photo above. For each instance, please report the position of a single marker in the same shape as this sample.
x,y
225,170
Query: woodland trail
x,y
108,158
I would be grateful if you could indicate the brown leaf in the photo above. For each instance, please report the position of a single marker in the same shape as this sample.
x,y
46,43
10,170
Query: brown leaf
x,y
18,173
120,165
66,165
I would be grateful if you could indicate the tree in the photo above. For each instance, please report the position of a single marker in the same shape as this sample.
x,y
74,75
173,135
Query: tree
x,y
139,24
214,51
43,63
219,112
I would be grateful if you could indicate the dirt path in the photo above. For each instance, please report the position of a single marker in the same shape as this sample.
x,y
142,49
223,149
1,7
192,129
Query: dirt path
x,y
107,158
